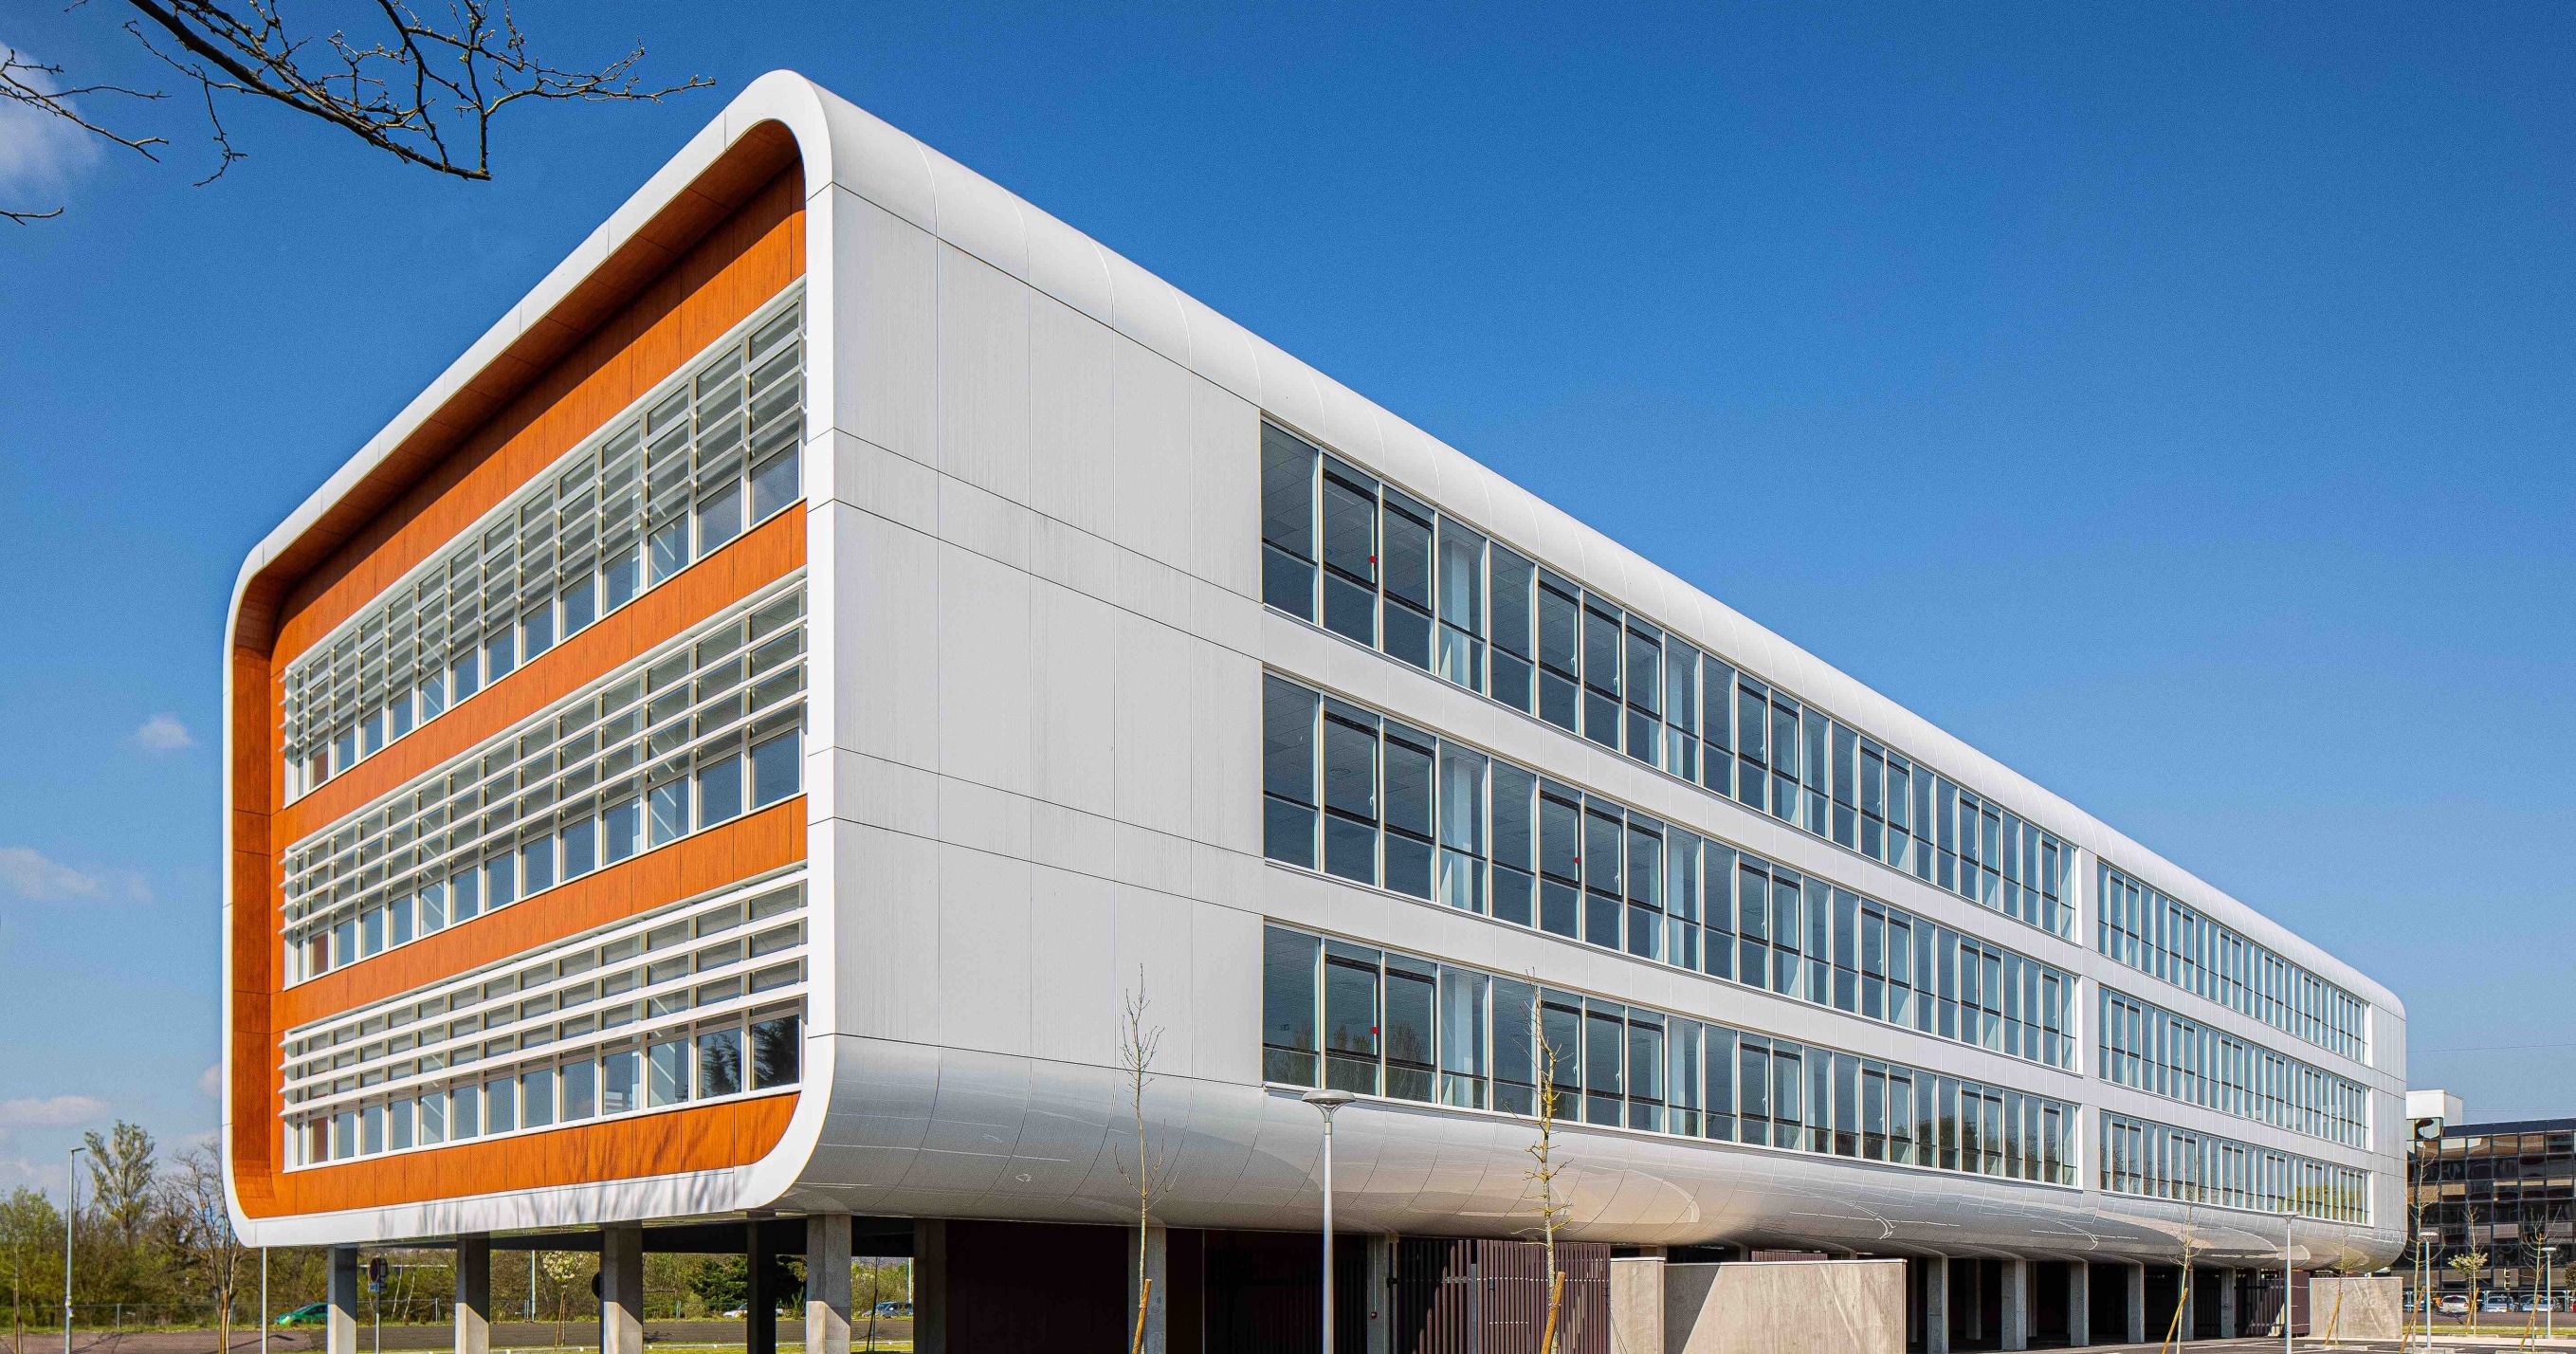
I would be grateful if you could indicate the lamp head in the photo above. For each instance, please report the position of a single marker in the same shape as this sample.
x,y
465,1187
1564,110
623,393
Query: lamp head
x,y
1328,1100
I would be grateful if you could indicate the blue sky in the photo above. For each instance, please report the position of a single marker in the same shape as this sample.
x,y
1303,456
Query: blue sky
x,y
2172,401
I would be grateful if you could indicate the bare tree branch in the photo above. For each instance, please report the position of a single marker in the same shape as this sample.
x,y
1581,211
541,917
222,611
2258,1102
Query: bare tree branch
x,y
424,90
406,93
36,85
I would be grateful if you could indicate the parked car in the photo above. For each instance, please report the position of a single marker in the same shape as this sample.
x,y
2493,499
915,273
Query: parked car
x,y
2453,1304
893,1310
310,1314
2495,1302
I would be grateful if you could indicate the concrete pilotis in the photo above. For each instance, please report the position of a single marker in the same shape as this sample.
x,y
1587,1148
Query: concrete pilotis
x,y
1936,1304
340,1331
474,1294
2079,1303
2016,1303
621,1288
2227,1304
1158,1254
2137,1303
759,1298
929,1286
827,1284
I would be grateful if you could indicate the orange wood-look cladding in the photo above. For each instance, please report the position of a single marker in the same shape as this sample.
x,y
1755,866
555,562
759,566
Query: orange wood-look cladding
x,y
741,265
750,562
766,840
707,1137
725,245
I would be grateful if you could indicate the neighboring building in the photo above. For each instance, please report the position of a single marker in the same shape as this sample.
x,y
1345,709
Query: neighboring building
x,y
711,771
2504,1190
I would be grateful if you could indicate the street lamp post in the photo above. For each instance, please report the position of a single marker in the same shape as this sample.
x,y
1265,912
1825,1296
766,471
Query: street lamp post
x,y
1326,1102
71,1210
2548,1297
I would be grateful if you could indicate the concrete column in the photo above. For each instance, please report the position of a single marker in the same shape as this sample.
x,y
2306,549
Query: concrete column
x,y
340,1329
2137,1334
1380,1294
2190,1308
1637,1302
1936,1304
1158,1267
759,1298
474,1294
621,1288
2079,1303
2227,1304
827,1284
2016,1303
929,1286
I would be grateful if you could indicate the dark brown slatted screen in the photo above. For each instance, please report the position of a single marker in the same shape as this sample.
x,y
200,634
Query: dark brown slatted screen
x,y
1490,1297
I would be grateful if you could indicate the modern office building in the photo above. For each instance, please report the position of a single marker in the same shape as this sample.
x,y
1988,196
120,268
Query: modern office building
x,y
2505,1191
715,770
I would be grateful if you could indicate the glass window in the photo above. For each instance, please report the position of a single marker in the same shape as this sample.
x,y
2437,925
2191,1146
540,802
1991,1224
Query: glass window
x,y
666,1073
1512,579
1408,566
537,1097
720,790
1288,523
1408,810
1351,1019
776,767
1462,1037
1288,771
1410,999
1350,793
719,1062
1460,881
619,1070
776,1051
1462,577
580,1090
500,1105
1288,1006
1350,553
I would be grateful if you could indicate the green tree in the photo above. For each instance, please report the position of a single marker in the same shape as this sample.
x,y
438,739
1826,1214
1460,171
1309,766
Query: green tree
x,y
121,1171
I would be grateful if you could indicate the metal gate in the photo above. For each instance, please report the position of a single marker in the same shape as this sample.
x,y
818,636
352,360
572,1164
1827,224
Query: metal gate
x,y
1490,1297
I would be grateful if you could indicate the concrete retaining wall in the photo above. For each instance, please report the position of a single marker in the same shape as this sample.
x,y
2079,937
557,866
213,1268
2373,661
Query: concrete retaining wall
x,y
1798,1307
2356,1309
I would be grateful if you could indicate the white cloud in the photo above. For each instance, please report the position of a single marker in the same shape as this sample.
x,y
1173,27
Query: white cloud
x,y
164,733
212,1083
39,878
57,1111
31,875
39,155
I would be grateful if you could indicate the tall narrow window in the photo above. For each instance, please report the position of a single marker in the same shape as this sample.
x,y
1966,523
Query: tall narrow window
x,y
1462,606
1411,996
1515,844
1460,874
1408,810
1288,803
1351,1019
1462,1037
1560,621
1350,553
1512,581
1350,793
1288,523
1406,623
